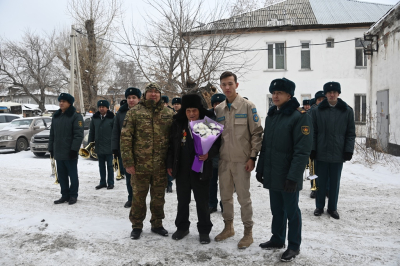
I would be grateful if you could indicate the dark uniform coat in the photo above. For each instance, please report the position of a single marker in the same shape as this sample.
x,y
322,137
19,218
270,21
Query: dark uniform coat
x,y
101,132
334,131
286,145
66,133
118,122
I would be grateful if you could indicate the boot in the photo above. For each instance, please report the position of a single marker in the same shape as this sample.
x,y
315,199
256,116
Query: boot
x,y
227,232
247,239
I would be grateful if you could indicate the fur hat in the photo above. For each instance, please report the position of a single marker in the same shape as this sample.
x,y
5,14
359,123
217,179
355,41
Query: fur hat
x,y
306,102
176,100
122,102
312,101
217,98
133,91
165,99
66,97
282,84
332,86
103,103
319,94
192,101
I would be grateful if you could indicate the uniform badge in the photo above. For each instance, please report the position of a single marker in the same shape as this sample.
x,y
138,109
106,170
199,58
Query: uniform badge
x,y
256,118
254,110
241,116
222,118
80,123
305,130
184,134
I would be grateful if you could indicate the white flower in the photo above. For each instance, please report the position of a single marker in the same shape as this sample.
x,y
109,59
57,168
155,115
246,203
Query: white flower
x,y
195,127
202,132
202,126
215,132
212,125
208,131
218,127
207,135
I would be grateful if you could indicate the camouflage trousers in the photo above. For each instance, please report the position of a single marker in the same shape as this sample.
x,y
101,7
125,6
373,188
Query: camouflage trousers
x,y
140,188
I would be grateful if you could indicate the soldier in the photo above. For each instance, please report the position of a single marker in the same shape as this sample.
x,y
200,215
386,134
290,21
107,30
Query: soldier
x,y
306,105
241,142
284,154
66,135
144,144
132,96
333,144
166,101
216,99
177,103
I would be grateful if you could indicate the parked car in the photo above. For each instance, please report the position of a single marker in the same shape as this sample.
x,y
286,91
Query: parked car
x,y
40,141
6,118
18,133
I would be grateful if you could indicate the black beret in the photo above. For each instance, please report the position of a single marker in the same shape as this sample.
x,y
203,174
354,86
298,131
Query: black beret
x,y
165,99
332,86
306,102
217,98
282,84
319,94
103,103
66,97
176,100
133,91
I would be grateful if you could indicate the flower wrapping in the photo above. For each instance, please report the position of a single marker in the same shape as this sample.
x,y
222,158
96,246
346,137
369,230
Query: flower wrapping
x,y
205,132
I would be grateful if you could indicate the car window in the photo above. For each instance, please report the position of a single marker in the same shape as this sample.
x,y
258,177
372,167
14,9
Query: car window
x,y
10,118
2,119
47,121
39,122
24,123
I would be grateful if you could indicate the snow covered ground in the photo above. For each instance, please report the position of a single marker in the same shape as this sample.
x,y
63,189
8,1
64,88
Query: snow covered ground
x,y
95,231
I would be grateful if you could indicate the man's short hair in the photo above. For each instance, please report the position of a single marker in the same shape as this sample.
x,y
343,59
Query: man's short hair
x,y
227,74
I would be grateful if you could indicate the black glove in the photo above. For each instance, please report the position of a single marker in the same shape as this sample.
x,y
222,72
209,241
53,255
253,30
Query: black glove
x,y
290,186
313,155
116,153
73,154
347,156
260,178
51,154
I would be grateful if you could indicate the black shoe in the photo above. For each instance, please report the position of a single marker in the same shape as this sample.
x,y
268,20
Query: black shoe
x,y
212,209
333,214
110,187
270,245
128,204
289,255
318,212
100,186
205,239
178,235
313,194
61,200
169,189
136,233
72,200
160,230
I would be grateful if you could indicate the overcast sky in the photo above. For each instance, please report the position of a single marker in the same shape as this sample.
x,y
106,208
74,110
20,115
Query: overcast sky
x,y
45,15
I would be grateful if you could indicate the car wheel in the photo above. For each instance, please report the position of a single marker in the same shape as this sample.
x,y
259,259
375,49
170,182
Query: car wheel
x,y
39,154
22,145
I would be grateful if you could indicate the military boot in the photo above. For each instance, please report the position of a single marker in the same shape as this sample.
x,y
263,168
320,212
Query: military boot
x,y
247,239
227,232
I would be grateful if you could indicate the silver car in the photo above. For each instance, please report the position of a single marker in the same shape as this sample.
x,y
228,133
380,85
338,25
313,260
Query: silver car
x,y
17,134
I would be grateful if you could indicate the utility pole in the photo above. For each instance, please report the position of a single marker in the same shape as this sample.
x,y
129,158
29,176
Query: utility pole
x,y
75,56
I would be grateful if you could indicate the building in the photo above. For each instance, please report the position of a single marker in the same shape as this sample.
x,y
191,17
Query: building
x,y
308,41
384,83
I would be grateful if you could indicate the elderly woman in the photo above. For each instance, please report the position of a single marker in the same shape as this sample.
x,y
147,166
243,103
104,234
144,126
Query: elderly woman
x,y
181,154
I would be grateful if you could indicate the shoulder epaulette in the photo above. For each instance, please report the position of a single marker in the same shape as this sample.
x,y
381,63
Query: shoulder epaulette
x,y
301,110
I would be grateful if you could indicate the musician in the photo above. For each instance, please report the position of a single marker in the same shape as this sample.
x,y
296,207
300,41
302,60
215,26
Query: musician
x,y
284,154
100,132
66,135
132,96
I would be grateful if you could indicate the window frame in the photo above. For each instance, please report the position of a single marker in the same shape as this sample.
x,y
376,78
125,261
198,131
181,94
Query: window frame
x,y
274,56
360,116
301,55
332,41
364,57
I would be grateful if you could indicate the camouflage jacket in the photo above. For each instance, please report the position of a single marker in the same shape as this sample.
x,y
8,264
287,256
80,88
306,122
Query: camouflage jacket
x,y
144,137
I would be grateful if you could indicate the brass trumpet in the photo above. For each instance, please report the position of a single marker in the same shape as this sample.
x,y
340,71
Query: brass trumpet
x,y
312,172
54,170
88,151
117,168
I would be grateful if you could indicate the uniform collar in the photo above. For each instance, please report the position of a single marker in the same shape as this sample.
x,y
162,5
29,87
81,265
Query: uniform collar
x,y
236,103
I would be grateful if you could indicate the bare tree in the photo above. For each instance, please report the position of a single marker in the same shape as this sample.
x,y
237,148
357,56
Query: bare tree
x,y
30,66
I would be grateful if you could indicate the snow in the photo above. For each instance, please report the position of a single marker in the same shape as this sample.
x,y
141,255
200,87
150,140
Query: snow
x,y
96,230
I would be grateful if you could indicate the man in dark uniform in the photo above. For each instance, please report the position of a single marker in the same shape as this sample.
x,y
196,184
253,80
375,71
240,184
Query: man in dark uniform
x,y
306,105
165,99
66,135
101,128
177,103
333,144
132,96
216,99
284,154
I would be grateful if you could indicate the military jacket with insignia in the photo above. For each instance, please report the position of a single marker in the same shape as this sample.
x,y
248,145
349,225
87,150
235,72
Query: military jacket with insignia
x,y
145,137
286,145
242,135
66,133
101,132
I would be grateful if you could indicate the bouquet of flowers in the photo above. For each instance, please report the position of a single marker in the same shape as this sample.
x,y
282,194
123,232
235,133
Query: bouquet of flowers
x,y
205,132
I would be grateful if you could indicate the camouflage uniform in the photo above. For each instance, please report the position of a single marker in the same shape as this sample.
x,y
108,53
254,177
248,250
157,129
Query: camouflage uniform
x,y
144,144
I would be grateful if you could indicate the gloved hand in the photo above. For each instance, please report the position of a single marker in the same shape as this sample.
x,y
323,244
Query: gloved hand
x,y
51,154
313,155
290,186
73,154
116,153
260,178
347,156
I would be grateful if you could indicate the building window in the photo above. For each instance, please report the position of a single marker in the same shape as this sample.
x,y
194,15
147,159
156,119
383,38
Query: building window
x,y
330,43
361,59
276,55
360,108
270,103
305,55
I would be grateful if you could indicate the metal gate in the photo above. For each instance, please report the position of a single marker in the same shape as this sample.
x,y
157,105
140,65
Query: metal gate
x,y
382,119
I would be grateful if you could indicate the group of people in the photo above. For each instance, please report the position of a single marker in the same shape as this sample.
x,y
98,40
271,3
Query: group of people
x,y
155,142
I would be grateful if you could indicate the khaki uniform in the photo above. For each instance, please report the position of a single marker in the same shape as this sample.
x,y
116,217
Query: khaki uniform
x,y
241,140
